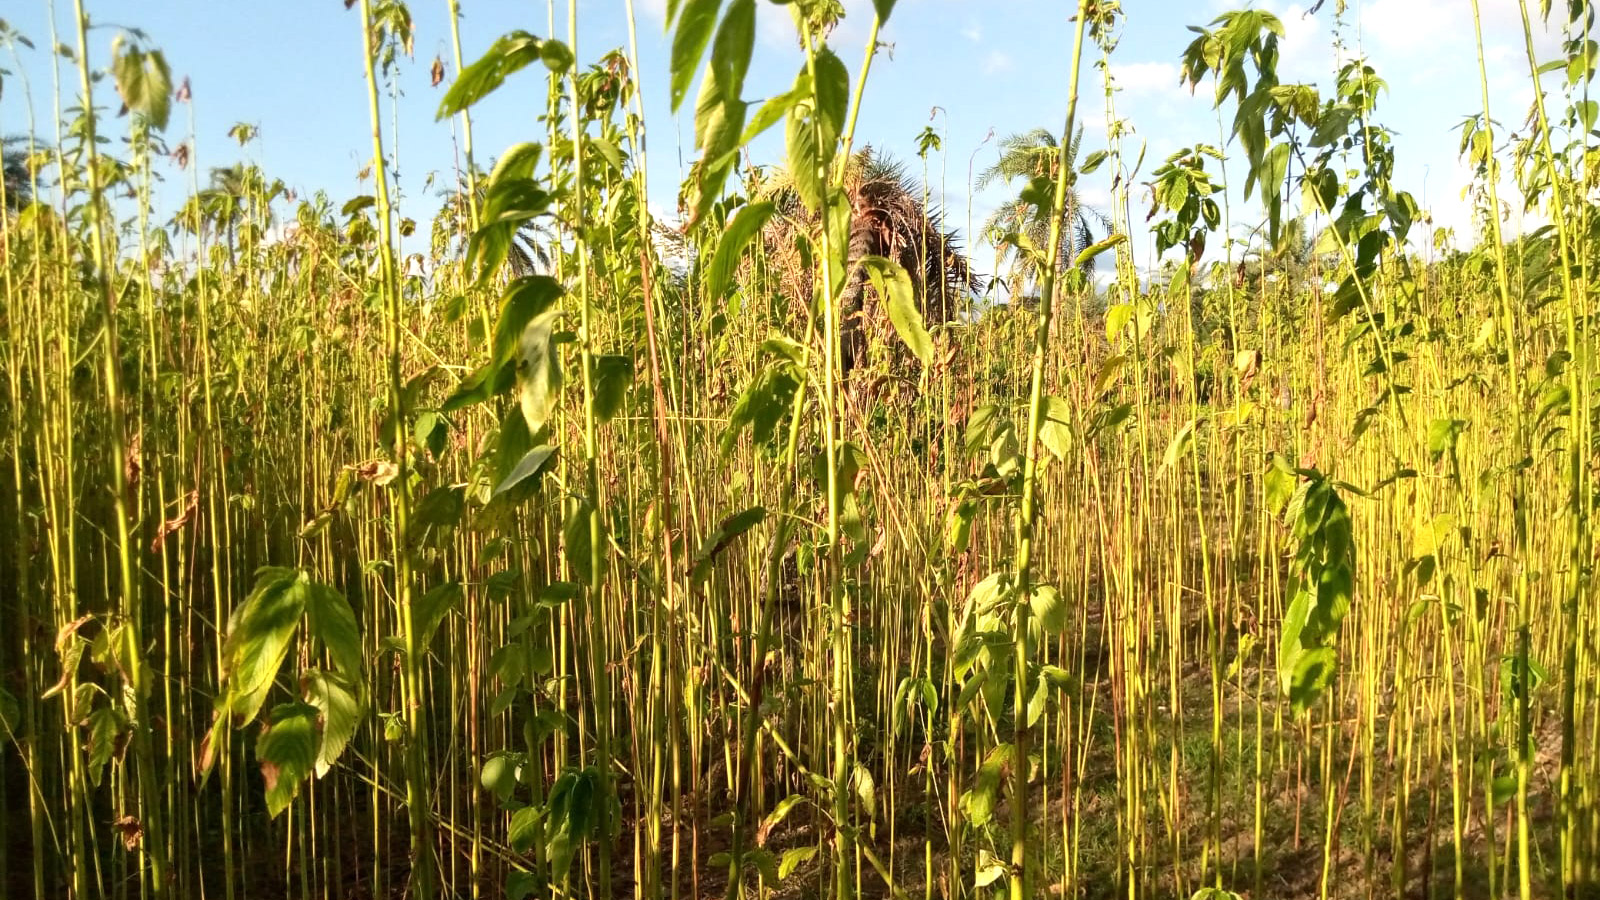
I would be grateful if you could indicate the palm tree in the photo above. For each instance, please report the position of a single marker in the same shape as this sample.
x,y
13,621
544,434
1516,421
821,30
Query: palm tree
x,y
890,218
1030,155
14,170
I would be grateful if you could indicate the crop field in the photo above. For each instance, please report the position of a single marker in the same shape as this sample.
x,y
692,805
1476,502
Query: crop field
x,y
1211,524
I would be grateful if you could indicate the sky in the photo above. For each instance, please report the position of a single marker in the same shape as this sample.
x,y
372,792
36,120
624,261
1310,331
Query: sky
x,y
974,70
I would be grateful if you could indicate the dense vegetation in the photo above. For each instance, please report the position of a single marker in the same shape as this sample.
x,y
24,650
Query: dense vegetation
x,y
767,552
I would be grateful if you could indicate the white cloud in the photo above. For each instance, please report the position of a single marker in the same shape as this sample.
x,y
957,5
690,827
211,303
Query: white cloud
x,y
655,9
998,61
1145,77
1396,24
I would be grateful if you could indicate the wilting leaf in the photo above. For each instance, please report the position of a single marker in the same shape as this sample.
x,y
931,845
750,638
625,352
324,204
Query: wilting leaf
x,y
130,830
729,529
988,870
762,405
10,716
778,814
287,752
171,526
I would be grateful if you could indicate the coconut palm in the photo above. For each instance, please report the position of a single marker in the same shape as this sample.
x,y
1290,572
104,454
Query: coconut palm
x,y
1026,156
890,218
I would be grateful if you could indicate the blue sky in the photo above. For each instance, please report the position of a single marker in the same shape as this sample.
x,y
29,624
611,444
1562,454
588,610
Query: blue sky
x,y
973,69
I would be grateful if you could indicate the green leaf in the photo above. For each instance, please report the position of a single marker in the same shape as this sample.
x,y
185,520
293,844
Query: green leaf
x,y
762,405
428,612
499,775
525,299
762,861
539,376
439,509
143,81
724,534
893,285
333,622
570,819
517,163
958,526
484,384
978,803
531,465
883,8
804,158
833,96
521,885
773,111
745,225
1087,254
287,752
1443,434
511,53
338,702
258,638
689,44
613,375
780,812
1055,432
357,204
105,727
525,828
794,859
866,790
580,543
10,715
556,56
1048,609
730,52
1179,446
